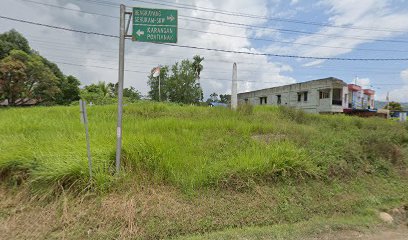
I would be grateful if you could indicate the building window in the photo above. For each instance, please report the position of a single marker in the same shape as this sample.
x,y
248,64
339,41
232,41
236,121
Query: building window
x,y
305,96
263,100
299,97
279,99
324,94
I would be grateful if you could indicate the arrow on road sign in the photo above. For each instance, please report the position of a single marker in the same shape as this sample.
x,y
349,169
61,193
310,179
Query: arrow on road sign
x,y
139,33
171,18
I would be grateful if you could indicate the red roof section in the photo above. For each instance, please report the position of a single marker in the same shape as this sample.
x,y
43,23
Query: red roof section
x,y
369,92
354,87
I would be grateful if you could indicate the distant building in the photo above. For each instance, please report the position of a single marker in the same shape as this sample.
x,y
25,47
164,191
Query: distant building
x,y
20,102
217,104
360,98
328,95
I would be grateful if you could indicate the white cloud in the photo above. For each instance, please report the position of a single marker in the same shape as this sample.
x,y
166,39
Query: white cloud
x,y
404,75
363,82
368,14
399,93
294,2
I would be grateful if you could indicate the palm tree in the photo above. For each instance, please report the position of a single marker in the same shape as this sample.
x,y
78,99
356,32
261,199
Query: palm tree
x,y
197,66
104,88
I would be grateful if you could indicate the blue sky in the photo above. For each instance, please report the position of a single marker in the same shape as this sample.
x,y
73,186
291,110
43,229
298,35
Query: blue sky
x,y
373,74
386,21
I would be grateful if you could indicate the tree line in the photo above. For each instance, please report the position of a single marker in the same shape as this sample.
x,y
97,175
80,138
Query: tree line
x,y
27,78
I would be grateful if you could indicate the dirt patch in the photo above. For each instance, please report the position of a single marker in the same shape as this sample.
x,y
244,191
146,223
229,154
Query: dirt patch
x,y
398,233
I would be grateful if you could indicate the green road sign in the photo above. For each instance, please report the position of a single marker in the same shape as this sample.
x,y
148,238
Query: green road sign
x,y
154,25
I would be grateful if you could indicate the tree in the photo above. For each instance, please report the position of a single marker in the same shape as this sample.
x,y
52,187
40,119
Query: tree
x,y
102,93
97,93
24,77
131,94
153,83
113,89
13,40
43,80
393,106
197,66
180,84
70,91
214,97
225,98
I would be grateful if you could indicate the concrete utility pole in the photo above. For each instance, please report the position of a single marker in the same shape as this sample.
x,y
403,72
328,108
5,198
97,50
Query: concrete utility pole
x,y
234,88
122,34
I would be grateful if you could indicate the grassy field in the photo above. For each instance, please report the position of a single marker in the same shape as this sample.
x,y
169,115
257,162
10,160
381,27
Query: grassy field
x,y
210,167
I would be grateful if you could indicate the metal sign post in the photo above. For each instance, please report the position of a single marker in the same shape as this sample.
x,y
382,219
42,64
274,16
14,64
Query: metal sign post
x,y
84,120
149,25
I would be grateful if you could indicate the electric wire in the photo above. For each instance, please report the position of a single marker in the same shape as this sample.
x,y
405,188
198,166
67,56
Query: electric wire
x,y
245,26
210,49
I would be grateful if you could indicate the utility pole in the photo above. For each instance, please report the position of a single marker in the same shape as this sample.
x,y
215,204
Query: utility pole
x,y
122,35
234,88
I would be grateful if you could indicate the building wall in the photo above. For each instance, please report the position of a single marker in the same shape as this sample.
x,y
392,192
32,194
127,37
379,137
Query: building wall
x,y
289,95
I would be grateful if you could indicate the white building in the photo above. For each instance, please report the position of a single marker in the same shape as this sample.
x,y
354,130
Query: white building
x,y
328,95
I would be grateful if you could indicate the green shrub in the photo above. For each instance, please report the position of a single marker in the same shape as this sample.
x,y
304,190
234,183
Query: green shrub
x,y
245,109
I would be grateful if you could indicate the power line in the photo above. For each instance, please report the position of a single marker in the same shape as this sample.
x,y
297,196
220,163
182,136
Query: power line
x,y
285,56
291,31
71,9
135,71
305,44
59,28
230,13
105,58
214,49
206,78
214,70
114,50
294,43
242,25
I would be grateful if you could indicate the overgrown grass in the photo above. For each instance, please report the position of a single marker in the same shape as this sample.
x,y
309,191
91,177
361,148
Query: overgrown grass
x,y
252,168
195,147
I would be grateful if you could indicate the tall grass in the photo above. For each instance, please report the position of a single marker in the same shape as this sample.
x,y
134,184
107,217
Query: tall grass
x,y
194,147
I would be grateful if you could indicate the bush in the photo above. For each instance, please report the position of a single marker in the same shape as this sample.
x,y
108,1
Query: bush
x,y
293,114
245,109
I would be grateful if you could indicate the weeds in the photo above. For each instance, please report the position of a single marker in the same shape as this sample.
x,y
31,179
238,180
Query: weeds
x,y
194,147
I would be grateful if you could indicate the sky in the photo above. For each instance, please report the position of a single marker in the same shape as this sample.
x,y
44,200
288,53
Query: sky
x,y
325,28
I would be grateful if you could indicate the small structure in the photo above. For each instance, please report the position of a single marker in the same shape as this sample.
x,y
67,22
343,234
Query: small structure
x,y
217,104
401,115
